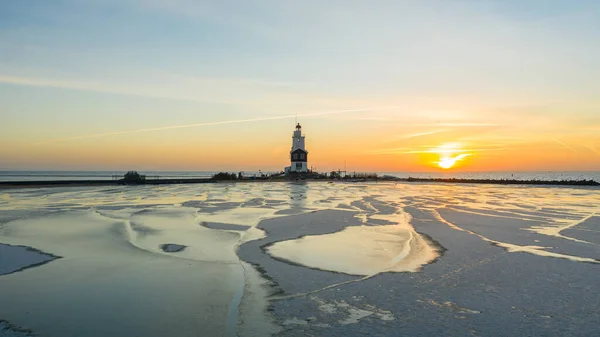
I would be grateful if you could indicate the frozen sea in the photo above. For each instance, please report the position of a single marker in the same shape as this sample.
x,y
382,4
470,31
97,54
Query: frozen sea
x,y
110,175
300,259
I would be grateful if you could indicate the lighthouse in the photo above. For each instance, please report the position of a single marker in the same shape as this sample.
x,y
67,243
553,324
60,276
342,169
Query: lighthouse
x,y
298,154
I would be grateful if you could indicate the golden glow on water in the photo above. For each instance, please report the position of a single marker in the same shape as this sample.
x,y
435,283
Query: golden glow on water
x,y
361,250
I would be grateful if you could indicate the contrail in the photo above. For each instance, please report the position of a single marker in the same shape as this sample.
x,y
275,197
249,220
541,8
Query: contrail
x,y
415,135
593,149
565,145
98,135
456,124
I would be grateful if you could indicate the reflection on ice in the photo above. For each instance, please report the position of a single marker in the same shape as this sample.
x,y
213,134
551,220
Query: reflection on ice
x,y
510,247
362,250
556,229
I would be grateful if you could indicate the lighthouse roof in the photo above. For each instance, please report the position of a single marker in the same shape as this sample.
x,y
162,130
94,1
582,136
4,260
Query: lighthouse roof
x,y
298,150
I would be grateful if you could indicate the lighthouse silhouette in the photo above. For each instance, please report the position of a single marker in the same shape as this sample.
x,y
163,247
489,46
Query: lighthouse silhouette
x,y
298,153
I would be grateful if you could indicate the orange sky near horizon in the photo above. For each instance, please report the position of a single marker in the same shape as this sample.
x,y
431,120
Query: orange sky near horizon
x,y
372,145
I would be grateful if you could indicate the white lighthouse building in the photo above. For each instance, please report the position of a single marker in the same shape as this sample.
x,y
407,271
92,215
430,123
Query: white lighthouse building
x,y
298,154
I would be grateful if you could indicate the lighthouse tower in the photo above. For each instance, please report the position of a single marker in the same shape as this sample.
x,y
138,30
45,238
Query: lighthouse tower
x,y
298,154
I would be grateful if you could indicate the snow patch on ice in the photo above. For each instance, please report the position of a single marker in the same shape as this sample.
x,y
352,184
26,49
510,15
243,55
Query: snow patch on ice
x,y
294,321
353,313
452,306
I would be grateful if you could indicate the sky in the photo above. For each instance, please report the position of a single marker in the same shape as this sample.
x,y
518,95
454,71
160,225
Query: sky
x,y
388,85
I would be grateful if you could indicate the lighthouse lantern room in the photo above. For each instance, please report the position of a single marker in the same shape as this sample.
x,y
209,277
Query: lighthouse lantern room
x,y
298,154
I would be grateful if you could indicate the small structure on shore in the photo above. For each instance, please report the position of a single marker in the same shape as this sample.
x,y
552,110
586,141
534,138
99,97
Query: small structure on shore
x,y
298,153
133,177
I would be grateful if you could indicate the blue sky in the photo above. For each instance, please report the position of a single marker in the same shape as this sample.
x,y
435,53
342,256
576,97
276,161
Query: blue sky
x,y
73,68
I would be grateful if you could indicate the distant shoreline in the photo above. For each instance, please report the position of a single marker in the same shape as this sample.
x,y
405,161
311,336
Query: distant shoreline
x,y
89,183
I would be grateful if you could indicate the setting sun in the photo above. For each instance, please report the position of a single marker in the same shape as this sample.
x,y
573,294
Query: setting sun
x,y
450,154
446,162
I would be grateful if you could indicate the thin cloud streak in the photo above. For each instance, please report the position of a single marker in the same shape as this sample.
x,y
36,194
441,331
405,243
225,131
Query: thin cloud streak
x,y
415,135
593,149
457,124
565,145
413,151
457,151
99,88
250,120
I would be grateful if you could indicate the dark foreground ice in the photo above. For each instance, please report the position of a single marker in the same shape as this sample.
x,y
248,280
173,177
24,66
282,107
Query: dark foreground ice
x,y
9,330
300,259
17,258
172,248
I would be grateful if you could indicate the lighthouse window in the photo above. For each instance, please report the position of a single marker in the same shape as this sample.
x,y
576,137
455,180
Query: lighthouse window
x,y
298,165
295,156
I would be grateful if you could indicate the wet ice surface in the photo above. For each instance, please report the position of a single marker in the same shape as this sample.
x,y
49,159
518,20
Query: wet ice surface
x,y
360,250
296,259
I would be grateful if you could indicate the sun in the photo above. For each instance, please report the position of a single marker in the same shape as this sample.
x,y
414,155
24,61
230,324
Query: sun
x,y
450,154
446,162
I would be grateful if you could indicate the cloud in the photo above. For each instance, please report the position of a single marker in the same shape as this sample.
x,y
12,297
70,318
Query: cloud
x,y
249,120
458,125
99,87
434,149
249,92
421,134
593,149
565,145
